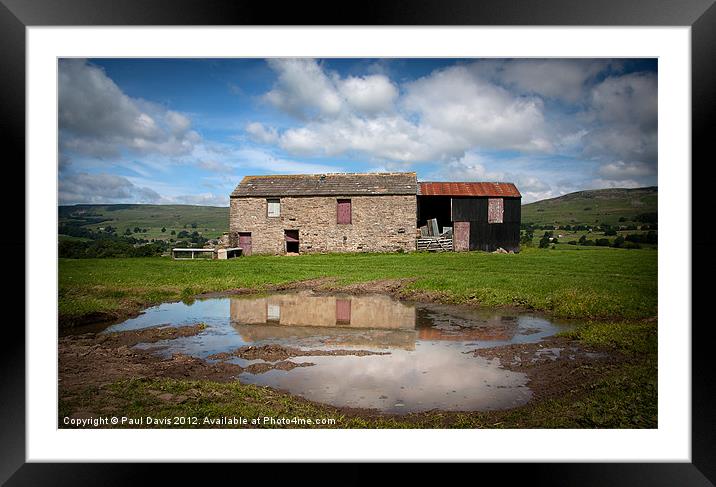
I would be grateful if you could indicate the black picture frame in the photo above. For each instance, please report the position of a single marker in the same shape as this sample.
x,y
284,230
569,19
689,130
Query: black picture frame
x,y
700,15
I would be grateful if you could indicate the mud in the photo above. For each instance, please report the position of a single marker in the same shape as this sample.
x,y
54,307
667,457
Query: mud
x,y
273,353
262,367
92,360
96,360
555,366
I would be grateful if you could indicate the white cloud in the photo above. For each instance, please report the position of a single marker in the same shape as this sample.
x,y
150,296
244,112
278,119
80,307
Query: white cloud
x,y
96,118
103,188
439,117
178,123
471,167
202,199
563,79
268,163
600,183
215,166
534,186
620,170
262,134
369,94
385,137
457,102
631,98
624,113
303,88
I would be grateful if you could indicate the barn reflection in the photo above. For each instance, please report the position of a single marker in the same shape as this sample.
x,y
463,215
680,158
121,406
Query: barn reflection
x,y
368,321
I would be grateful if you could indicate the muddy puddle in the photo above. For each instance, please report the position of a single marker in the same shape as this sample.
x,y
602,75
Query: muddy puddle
x,y
367,351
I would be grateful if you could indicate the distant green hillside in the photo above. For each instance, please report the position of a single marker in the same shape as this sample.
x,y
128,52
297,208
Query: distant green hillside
x,y
210,221
593,207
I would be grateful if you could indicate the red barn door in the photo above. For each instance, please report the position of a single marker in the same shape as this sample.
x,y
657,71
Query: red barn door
x,y
245,242
344,212
343,311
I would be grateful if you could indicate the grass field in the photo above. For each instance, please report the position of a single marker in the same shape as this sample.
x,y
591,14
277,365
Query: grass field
x,y
210,221
612,292
592,207
590,283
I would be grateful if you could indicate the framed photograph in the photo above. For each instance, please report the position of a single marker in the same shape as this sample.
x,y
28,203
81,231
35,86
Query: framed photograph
x,y
466,227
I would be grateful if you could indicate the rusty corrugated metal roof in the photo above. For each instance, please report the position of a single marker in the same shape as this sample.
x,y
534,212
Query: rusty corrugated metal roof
x,y
507,190
403,183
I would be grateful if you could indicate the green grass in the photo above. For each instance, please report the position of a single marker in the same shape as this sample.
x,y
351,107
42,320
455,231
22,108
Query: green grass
x,y
630,337
592,283
70,238
613,291
211,221
592,207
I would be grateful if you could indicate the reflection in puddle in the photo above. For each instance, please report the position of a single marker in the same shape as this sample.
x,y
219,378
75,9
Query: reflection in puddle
x,y
427,367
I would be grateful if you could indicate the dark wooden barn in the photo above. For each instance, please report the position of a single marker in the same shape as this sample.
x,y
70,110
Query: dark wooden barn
x,y
484,216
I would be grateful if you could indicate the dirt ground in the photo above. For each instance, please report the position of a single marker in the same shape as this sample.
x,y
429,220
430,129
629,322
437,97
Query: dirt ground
x,y
554,366
273,353
96,360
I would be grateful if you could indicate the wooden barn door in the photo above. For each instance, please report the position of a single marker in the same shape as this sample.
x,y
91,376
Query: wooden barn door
x,y
245,242
461,236
344,212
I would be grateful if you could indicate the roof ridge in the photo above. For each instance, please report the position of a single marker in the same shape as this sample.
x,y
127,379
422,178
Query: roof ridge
x,y
268,176
328,183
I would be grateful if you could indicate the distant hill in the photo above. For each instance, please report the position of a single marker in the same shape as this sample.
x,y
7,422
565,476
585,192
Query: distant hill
x,y
592,207
210,221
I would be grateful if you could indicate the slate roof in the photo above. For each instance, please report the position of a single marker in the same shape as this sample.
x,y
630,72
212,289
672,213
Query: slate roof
x,y
339,184
495,190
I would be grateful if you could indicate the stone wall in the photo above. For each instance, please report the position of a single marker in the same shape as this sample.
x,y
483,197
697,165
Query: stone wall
x,y
379,223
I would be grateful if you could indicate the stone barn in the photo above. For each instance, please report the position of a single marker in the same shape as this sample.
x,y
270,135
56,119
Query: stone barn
x,y
484,216
314,213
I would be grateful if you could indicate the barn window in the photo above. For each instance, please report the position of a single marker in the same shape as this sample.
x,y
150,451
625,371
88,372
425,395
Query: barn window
x,y
495,210
344,212
274,207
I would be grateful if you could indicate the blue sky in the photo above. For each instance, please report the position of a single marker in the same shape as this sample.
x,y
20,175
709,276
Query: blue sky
x,y
187,130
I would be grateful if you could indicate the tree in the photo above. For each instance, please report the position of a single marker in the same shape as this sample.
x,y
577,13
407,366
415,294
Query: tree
x,y
173,232
164,229
647,218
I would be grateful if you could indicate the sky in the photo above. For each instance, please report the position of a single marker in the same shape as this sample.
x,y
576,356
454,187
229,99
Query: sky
x,y
185,131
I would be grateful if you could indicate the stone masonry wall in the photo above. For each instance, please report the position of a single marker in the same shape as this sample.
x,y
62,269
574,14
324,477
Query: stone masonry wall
x,y
379,223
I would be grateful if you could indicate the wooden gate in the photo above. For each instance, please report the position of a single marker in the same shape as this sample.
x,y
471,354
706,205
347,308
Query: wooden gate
x,y
245,242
